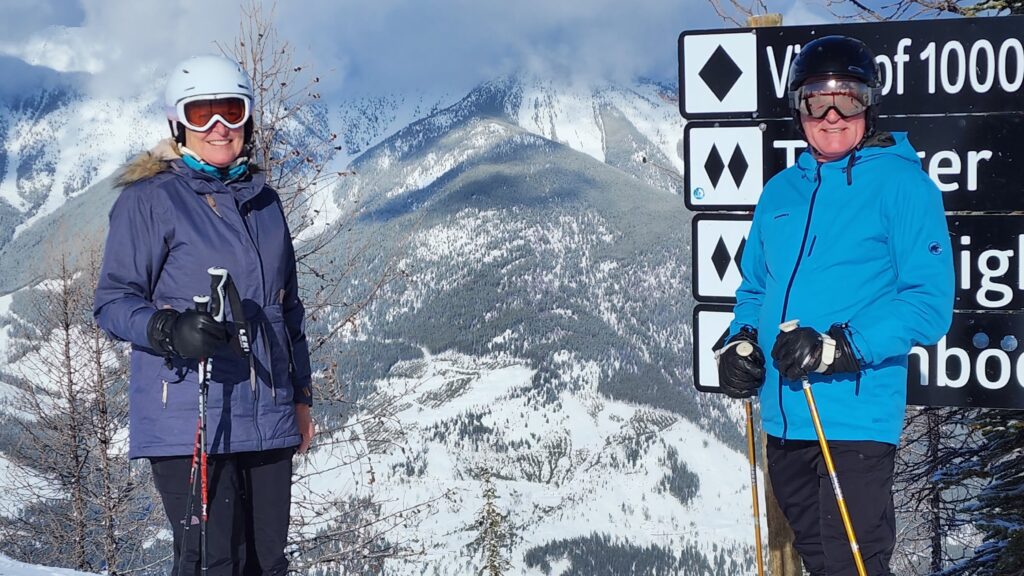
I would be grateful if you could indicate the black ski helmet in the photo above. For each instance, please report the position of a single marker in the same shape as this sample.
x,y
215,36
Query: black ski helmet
x,y
837,56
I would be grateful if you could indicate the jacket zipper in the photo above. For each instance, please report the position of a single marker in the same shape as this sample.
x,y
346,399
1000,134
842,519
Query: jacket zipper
x,y
789,286
241,208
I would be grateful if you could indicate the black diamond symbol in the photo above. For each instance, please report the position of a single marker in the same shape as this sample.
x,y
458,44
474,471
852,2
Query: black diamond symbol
x,y
721,258
738,166
739,252
720,73
714,166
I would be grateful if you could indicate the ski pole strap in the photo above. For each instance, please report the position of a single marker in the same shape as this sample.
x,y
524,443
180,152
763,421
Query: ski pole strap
x,y
218,278
222,288
239,316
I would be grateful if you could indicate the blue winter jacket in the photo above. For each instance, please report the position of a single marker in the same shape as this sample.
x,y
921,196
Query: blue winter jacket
x,y
168,226
860,241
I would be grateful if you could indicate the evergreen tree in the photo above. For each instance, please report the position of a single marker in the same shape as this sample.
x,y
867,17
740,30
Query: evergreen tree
x,y
998,511
494,534
930,491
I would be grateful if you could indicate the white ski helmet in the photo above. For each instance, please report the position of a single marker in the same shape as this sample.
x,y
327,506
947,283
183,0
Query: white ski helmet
x,y
214,76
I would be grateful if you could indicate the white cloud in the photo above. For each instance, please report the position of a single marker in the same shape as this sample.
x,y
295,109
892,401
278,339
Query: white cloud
x,y
377,46
803,14
22,18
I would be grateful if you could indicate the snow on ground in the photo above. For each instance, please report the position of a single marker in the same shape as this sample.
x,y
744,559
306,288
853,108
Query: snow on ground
x,y
10,567
657,119
5,334
560,470
568,115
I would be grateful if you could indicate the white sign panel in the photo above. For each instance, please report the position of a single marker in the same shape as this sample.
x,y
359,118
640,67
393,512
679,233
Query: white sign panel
x,y
708,327
720,73
725,166
718,243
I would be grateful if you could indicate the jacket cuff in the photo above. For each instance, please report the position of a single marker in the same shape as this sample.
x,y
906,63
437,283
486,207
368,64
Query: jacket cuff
x,y
861,349
303,393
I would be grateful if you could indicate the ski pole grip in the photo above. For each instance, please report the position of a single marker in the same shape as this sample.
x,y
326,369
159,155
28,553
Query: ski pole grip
x,y
789,325
202,303
218,279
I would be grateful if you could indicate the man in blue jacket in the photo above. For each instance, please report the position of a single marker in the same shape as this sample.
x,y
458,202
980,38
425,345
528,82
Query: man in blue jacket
x,y
852,242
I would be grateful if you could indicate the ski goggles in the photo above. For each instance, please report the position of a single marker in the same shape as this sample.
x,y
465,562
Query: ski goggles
x,y
847,97
199,113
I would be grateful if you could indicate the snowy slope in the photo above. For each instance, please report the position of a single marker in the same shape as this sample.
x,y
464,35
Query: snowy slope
x,y
59,143
10,567
543,333
584,465
573,116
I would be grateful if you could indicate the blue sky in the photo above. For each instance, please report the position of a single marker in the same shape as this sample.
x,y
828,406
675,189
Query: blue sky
x,y
369,45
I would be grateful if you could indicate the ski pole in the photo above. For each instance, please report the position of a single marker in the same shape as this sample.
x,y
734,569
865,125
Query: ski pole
x,y
189,499
197,473
218,278
746,349
202,304
827,454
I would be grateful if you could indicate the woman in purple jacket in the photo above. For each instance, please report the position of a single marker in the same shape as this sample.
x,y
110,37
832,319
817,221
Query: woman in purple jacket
x,y
192,203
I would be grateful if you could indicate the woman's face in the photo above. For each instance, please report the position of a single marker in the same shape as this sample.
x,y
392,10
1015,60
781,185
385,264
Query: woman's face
x,y
219,146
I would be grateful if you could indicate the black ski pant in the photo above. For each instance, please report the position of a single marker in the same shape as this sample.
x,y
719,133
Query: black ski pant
x,y
803,490
249,503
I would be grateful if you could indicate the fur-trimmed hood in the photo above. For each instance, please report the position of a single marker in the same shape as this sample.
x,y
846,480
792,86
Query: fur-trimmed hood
x,y
149,164
159,159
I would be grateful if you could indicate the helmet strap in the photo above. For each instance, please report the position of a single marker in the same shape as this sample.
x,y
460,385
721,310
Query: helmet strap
x,y
177,132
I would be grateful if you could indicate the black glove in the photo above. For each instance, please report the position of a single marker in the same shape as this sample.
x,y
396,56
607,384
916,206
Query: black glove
x,y
801,351
189,334
740,375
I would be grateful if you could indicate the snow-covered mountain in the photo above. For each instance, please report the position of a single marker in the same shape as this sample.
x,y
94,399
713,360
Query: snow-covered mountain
x,y
539,335
542,332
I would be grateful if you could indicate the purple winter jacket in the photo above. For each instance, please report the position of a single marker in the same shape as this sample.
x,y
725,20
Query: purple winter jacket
x,y
168,226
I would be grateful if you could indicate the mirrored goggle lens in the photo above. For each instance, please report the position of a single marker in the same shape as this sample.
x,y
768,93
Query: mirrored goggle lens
x,y
849,98
200,114
818,105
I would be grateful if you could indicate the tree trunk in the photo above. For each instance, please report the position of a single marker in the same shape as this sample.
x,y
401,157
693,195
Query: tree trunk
x,y
933,421
783,559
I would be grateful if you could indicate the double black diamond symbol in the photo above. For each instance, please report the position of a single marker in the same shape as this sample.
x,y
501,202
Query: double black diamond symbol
x,y
720,73
714,166
722,259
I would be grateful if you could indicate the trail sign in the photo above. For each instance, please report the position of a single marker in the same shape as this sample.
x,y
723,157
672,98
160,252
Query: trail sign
x,y
928,67
973,159
988,259
980,363
988,252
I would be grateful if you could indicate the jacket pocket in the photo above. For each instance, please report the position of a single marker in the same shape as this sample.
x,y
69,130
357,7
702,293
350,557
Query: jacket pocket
x,y
780,235
275,340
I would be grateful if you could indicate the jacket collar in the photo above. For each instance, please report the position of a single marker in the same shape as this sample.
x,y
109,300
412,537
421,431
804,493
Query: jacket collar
x,y
879,144
246,188
166,157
